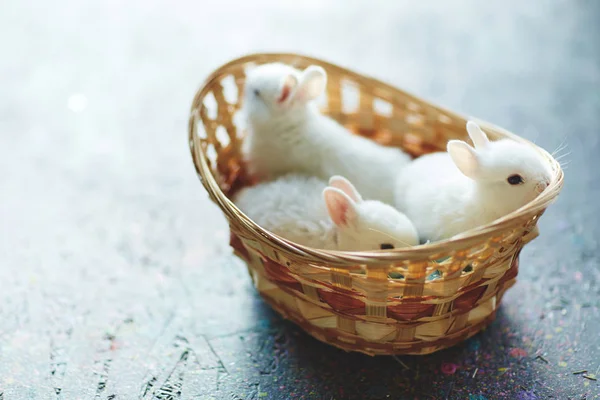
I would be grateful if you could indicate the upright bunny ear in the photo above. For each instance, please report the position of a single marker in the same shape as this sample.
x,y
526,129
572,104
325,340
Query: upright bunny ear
x,y
312,83
345,186
465,158
340,207
286,86
479,138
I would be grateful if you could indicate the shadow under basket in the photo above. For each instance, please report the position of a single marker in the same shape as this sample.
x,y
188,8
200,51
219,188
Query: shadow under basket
x,y
406,301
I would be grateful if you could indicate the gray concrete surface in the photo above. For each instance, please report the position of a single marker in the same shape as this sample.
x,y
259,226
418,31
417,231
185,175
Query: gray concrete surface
x,y
116,279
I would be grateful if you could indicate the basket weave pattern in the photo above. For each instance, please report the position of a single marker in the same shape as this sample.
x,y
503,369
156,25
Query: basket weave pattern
x,y
372,302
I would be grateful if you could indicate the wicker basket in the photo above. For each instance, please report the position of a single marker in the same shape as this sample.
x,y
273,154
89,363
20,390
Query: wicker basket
x,y
371,302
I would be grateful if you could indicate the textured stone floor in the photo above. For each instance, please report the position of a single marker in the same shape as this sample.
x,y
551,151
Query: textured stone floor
x,y
116,279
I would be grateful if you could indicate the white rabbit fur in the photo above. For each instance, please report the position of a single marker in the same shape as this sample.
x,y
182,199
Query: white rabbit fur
x,y
307,211
445,194
287,133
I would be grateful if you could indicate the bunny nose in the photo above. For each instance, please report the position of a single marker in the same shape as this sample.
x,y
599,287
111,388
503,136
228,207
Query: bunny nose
x,y
541,186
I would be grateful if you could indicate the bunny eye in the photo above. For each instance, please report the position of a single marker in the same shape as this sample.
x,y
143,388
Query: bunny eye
x,y
256,92
515,179
386,246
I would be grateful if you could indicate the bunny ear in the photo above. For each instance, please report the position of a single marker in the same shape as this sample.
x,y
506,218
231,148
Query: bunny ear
x,y
287,85
345,186
479,138
464,157
312,83
341,208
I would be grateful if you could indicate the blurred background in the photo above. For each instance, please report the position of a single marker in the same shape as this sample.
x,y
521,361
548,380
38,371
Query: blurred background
x,y
117,281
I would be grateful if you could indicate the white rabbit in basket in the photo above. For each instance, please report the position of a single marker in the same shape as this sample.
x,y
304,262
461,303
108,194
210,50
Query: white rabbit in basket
x,y
447,193
305,210
287,133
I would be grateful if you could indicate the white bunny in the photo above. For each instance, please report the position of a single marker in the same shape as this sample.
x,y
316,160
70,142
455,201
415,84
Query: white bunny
x,y
445,194
287,133
305,210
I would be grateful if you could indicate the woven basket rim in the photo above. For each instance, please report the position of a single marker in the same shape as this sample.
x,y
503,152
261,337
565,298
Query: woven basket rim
x,y
372,258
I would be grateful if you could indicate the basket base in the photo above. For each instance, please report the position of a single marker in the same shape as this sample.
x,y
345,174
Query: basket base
x,y
351,344
347,339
